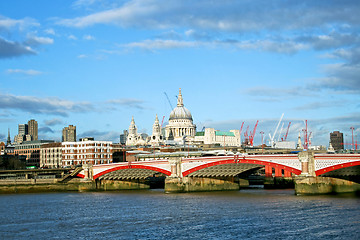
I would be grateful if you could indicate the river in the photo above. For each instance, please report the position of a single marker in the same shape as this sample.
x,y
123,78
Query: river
x,y
153,214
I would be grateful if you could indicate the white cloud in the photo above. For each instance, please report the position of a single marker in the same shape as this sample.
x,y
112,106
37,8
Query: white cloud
x,y
238,16
161,44
262,45
50,31
127,102
341,77
34,40
49,105
29,72
8,23
72,37
88,37
82,56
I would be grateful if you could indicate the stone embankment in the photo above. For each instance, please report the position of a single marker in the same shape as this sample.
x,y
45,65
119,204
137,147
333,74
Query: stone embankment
x,y
44,185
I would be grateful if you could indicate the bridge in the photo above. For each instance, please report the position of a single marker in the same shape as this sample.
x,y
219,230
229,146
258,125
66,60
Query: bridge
x,y
219,172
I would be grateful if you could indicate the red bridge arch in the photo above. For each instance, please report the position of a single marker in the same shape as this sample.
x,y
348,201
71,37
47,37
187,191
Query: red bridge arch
x,y
338,166
168,173
266,164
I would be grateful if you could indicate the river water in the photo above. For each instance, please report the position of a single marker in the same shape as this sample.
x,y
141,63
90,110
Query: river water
x,y
153,214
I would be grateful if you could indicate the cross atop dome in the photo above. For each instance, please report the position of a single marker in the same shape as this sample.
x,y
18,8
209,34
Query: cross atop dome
x,y
180,99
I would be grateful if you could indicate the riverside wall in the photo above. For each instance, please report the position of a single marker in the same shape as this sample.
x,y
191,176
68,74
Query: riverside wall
x,y
31,186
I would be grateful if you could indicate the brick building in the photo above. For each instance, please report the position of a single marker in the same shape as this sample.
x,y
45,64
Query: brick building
x,y
86,151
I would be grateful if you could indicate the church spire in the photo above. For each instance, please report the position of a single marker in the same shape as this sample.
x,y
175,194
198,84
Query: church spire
x,y
8,139
180,99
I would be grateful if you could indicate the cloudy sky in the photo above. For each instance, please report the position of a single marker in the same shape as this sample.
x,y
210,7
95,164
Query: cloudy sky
x,y
96,63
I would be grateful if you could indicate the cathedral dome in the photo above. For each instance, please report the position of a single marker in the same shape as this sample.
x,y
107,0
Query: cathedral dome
x,y
180,112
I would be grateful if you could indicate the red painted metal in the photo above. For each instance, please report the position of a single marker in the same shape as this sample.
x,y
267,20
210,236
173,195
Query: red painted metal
x,y
335,167
252,135
287,132
242,160
241,127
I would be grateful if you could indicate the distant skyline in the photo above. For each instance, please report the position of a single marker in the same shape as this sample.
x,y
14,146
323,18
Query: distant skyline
x,y
96,63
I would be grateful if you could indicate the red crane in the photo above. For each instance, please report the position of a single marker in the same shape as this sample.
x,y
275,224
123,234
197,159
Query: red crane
x,y
246,141
241,127
162,121
252,134
287,132
306,139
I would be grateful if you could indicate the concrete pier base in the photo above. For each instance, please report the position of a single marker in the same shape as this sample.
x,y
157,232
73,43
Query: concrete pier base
x,y
194,184
324,185
278,182
110,185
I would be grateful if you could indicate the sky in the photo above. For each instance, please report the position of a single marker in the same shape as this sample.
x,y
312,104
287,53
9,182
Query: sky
x,y
97,63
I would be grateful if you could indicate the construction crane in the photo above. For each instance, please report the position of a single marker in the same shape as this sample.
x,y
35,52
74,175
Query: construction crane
x,y
168,100
162,122
252,134
273,136
241,127
287,132
246,141
281,129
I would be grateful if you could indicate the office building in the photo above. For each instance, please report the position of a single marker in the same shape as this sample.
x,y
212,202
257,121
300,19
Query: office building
x,y
337,140
33,129
69,134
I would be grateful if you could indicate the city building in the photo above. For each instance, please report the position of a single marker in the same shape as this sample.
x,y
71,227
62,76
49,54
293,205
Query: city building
x,y
51,155
27,132
86,151
123,137
30,150
212,136
285,145
33,129
69,134
22,132
180,127
337,140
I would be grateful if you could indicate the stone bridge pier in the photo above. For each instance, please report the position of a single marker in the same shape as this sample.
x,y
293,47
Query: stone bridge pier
x,y
176,182
309,183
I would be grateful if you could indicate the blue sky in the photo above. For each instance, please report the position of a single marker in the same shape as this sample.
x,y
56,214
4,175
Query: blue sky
x,y
96,63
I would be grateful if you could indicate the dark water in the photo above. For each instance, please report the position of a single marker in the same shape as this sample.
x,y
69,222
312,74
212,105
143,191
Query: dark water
x,y
247,214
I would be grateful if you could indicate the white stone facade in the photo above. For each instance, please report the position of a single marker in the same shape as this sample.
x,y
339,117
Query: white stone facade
x,y
51,155
156,139
180,125
212,136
